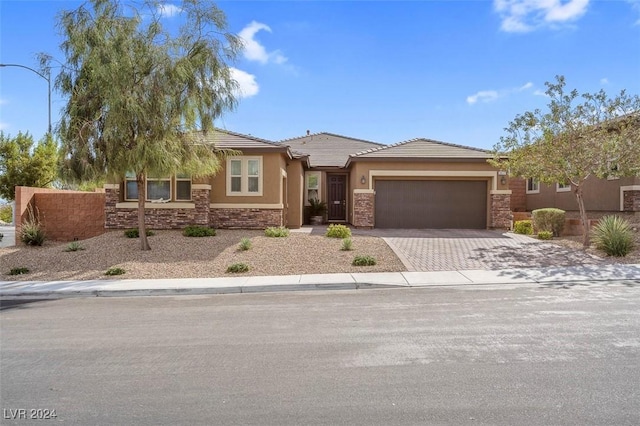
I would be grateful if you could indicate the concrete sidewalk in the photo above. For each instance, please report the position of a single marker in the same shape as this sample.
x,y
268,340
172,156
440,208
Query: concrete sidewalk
x,y
626,274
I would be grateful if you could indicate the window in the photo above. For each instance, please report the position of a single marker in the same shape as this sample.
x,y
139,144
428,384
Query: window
x,y
183,188
533,186
312,186
563,187
159,188
244,176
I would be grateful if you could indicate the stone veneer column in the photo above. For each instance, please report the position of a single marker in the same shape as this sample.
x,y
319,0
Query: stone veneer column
x,y
111,198
631,198
200,195
500,208
363,208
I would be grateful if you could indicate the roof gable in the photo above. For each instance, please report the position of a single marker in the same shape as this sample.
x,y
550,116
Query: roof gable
x,y
328,149
423,148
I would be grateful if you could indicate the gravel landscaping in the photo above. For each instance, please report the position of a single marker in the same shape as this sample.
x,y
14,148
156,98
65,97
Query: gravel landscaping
x,y
174,256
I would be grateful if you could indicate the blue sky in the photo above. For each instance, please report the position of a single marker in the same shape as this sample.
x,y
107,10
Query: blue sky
x,y
386,71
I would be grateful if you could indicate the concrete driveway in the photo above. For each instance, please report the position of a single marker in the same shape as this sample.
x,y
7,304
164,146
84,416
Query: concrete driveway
x,y
459,249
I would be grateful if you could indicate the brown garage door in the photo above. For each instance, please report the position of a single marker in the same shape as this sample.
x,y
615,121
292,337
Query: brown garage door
x,y
437,204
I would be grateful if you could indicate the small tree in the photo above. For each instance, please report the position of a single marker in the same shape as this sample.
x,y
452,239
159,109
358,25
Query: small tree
x,y
573,140
22,164
139,94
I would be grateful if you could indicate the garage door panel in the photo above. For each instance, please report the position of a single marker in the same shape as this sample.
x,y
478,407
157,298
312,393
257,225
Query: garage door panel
x,y
431,204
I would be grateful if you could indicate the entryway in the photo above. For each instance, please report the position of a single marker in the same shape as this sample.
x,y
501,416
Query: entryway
x,y
337,197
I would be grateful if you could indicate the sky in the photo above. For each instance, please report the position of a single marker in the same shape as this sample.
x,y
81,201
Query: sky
x,y
383,71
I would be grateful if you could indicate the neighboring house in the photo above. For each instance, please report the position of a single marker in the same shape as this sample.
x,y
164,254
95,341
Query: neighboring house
x,y
600,195
418,183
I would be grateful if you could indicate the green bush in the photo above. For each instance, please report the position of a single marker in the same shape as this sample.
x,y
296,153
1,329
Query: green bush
x,y
548,219
523,227
198,231
545,235
245,244
134,233
613,235
115,271
276,231
18,271
347,244
338,231
74,246
363,261
6,213
238,268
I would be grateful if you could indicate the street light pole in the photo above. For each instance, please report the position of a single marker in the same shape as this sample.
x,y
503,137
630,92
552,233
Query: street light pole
x,y
46,77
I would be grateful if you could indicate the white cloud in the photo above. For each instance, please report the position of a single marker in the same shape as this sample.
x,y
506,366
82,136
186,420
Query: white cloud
x,y
253,50
247,83
492,95
540,93
483,96
519,16
168,10
604,81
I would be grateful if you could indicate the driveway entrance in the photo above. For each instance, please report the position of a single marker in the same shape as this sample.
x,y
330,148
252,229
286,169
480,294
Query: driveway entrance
x,y
459,249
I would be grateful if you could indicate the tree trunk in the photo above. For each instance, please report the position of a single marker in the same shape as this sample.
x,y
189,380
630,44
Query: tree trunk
x,y
583,217
142,230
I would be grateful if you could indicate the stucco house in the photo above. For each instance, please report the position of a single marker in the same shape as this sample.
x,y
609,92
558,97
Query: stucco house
x,y
419,183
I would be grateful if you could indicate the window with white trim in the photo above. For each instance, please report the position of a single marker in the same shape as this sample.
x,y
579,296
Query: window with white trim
x,y
533,186
244,176
563,187
312,186
159,188
183,187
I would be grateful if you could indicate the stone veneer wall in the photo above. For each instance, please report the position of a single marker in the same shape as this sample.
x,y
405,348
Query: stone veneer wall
x,y
631,201
363,209
500,211
252,218
162,217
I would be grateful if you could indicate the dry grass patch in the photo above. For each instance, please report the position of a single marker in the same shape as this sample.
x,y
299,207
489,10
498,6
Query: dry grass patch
x,y
173,255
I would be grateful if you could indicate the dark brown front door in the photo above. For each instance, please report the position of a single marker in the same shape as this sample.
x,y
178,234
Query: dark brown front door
x,y
337,197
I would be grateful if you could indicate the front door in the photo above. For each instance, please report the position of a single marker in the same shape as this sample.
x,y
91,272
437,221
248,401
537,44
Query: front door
x,y
337,198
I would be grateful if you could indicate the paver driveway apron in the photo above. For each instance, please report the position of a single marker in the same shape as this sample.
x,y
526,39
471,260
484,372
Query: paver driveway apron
x,y
460,249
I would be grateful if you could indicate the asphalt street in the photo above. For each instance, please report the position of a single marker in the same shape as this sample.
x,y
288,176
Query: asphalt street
x,y
535,355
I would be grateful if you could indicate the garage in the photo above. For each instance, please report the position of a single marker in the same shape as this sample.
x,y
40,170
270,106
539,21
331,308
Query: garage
x,y
436,204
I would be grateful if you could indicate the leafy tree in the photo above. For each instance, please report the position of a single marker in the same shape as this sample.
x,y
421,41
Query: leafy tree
x,y
577,137
139,94
22,164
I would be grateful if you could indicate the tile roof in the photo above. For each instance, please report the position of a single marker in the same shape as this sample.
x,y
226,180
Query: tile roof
x,y
423,148
225,139
328,149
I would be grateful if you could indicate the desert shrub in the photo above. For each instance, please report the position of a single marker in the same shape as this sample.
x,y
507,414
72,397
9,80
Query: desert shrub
x,y
6,213
545,235
115,271
523,227
548,219
134,233
238,268
276,231
18,271
245,244
363,261
347,244
198,231
613,235
338,231
74,246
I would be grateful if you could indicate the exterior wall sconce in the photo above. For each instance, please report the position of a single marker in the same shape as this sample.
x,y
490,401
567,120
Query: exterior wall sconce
x,y
503,180
363,180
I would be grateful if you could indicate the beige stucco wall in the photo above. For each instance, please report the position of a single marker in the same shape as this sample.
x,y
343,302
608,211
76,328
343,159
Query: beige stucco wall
x,y
273,167
599,195
295,183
